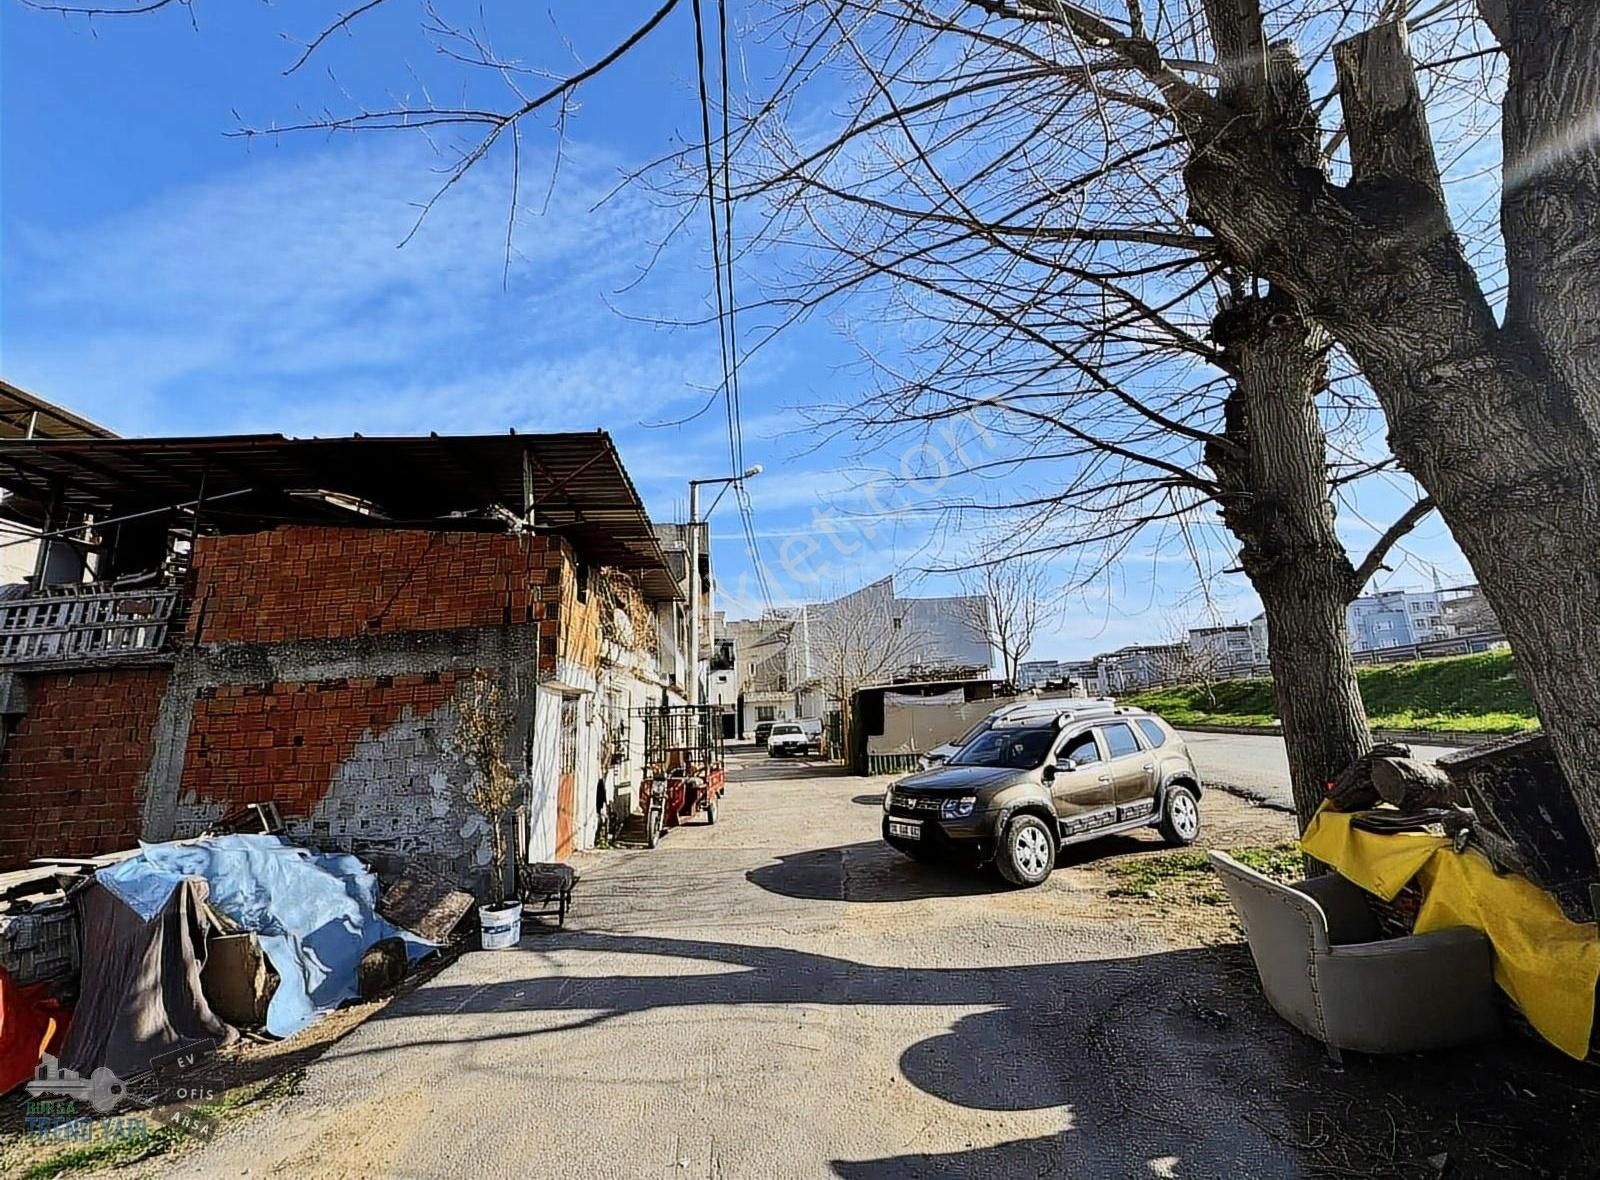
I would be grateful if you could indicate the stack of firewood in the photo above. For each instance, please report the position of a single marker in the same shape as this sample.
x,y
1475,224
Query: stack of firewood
x,y
1389,774
1508,797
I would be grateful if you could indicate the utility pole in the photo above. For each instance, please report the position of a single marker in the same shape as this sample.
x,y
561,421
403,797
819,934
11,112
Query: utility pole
x,y
692,689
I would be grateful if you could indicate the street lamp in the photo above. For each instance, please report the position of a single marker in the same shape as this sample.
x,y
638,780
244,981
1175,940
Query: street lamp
x,y
695,485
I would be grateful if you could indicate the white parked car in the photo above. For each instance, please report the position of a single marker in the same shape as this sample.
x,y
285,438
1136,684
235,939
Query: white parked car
x,y
788,737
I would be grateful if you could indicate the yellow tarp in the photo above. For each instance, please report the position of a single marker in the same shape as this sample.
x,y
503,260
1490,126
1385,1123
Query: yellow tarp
x,y
1547,963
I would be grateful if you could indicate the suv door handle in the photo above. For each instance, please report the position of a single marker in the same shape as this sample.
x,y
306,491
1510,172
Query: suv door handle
x,y
1149,766
1105,778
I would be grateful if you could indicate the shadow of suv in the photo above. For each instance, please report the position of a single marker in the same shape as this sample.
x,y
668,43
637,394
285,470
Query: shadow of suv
x,y
1019,791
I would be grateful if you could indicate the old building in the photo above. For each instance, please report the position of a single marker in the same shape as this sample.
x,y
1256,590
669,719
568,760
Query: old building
x,y
1395,618
261,619
25,416
1236,648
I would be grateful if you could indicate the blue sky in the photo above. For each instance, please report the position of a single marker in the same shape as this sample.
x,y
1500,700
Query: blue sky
x,y
165,278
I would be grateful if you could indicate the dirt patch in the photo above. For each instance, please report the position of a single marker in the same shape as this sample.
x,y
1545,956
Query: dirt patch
x,y
245,1078
1513,1108
1143,879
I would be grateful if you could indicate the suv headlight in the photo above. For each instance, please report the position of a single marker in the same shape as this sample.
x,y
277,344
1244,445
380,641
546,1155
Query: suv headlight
x,y
888,799
958,808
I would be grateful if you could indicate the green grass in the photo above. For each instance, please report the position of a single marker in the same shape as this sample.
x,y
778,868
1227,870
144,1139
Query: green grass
x,y
1189,873
1464,694
99,1153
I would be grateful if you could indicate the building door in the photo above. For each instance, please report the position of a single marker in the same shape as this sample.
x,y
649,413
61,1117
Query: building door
x,y
567,780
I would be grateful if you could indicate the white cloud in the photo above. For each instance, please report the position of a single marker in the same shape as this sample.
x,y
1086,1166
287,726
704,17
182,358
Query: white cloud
x,y
280,294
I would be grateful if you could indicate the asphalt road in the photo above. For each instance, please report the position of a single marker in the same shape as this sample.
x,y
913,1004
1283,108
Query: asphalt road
x,y
1255,765
781,995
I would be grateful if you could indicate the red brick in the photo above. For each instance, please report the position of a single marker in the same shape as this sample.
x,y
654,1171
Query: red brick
x,y
305,582
53,805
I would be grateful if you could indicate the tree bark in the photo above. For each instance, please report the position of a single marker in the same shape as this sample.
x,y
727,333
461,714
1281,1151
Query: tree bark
x,y
1276,503
1499,425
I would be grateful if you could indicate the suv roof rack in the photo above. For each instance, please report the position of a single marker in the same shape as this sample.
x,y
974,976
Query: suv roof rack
x,y
1041,711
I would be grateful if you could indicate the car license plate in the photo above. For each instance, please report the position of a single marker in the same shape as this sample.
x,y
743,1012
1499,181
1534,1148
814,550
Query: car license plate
x,y
906,829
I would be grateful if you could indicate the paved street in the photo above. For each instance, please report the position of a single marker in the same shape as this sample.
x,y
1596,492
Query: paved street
x,y
780,995
1256,765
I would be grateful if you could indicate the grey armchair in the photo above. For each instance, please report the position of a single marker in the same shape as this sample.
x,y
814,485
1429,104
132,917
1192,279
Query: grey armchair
x,y
1326,970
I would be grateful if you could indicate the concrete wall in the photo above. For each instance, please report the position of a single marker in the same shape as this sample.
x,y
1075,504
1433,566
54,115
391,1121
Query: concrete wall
x,y
352,738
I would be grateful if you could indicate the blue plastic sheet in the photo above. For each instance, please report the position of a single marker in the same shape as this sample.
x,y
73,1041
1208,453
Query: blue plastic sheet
x,y
315,913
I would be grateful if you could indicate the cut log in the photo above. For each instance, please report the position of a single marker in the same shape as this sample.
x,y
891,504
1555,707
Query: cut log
x,y
1354,790
1412,785
382,967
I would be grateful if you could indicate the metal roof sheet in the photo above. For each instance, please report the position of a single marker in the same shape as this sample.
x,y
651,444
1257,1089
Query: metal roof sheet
x,y
23,414
575,484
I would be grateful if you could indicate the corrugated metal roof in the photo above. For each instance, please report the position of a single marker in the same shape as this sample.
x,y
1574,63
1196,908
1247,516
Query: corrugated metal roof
x,y
23,414
577,483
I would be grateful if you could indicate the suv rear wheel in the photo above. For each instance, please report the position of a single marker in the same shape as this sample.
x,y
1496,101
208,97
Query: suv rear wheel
x,y
1027,851
1180,816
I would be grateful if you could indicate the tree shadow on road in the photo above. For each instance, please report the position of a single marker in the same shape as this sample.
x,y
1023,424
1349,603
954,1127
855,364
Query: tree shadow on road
x,y
1110,1044
1164,1064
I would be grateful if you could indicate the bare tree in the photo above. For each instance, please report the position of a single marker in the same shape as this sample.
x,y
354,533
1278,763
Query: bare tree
x,y
1288,154
1496,413
1127,373
1180,661
480,740
1004,607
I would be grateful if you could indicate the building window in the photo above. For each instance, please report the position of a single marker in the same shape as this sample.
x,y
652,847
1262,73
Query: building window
x,y
568,748
766,713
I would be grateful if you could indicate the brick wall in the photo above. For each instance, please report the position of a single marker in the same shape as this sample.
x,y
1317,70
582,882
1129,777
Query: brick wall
x,y
304,582
284,742
72,772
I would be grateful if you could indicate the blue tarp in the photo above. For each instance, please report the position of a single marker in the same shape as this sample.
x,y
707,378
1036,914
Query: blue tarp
x,y
315,913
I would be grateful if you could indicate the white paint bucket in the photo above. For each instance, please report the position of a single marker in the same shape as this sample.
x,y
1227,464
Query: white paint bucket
x,y
502,925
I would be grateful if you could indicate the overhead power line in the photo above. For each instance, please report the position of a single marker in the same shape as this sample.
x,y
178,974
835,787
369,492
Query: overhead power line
x,y
723,275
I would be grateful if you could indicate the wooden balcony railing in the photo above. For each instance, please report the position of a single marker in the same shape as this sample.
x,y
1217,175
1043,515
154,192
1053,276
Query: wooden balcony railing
x,y
84,622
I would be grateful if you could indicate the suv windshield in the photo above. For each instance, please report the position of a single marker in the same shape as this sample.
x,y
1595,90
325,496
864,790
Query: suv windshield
x,y
1017,747
972,733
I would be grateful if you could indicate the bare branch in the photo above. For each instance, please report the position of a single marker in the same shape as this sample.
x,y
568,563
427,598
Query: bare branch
x,y
1408,520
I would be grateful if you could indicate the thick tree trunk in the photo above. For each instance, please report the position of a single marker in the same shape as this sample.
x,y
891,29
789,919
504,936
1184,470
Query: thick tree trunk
x,y
1276,503
1314,682
1499,424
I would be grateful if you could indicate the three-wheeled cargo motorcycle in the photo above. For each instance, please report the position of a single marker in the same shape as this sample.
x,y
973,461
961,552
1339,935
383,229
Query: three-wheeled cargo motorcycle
x,y
683,773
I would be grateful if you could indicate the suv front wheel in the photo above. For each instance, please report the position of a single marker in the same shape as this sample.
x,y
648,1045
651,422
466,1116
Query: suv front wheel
x,y
1027,851
1180,816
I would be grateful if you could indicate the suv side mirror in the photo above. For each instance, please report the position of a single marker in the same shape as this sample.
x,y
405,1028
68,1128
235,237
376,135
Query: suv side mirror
x,y
1069,764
